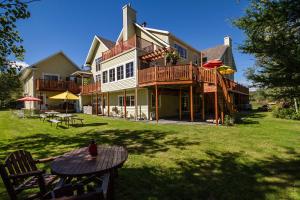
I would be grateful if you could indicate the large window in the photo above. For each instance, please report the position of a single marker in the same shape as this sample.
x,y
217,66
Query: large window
x,y
104,77
129,70
51,77
98,63
112,75
120,72
129,100
181,51
195,59
98,78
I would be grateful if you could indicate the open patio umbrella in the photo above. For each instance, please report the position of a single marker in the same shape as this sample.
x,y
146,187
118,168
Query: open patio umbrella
x,y
28,98
66,96
212,64
225,70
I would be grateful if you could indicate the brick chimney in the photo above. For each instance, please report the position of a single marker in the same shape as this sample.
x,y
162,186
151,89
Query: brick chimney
x,y
129,18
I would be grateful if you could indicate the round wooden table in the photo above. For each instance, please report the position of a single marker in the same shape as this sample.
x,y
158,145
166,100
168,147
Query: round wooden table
x,y
79,162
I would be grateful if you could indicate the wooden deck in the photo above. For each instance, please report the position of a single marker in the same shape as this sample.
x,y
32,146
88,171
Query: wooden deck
x,y
57,85
184,74
90,88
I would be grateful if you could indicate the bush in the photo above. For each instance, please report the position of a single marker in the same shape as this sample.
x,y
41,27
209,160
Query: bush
x,y
286,113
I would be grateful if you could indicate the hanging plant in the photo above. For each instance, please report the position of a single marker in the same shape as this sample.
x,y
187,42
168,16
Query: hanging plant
x,y
172,57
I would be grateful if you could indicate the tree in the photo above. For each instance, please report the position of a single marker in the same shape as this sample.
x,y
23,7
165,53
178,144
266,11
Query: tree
x,y
272,29
10,40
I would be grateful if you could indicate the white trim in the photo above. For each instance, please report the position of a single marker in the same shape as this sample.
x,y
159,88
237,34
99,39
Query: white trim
x,y
152,35
92,49
120,35
157,30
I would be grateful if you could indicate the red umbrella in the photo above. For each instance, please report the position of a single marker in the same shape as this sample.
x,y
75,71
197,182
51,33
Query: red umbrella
x,y
213,63
29,99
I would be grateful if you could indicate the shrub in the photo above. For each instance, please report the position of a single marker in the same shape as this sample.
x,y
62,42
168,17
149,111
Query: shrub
x,y
286,113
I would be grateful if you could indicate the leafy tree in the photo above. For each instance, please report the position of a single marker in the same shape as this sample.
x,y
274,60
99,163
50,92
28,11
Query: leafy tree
x,y
10,40
272,29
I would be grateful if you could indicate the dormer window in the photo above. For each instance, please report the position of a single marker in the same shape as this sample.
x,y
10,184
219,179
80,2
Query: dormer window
x,y
98,63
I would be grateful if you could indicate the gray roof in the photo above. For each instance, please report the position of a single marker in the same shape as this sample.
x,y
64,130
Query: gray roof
x,y
108,43
215,52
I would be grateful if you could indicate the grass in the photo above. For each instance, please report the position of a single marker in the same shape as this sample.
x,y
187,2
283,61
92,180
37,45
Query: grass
x,y
258,159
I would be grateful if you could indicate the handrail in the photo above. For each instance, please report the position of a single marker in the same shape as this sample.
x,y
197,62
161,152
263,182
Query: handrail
x,y
56,85
91,88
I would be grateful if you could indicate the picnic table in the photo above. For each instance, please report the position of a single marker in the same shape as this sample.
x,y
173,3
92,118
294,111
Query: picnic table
x,y
65,117
79,163
51,113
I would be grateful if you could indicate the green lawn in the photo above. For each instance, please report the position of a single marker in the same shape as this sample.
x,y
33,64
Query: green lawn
x,y
259,159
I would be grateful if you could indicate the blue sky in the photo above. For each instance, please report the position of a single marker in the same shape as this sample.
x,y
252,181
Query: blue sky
x,y
70,25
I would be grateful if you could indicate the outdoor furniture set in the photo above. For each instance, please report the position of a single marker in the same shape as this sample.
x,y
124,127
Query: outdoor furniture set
x,y
85,173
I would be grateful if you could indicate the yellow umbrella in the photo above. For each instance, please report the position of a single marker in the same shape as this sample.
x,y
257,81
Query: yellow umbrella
x,y
66,96
224,70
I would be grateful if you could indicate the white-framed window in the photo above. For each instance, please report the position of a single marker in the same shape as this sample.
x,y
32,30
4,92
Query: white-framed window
x,y
98,78
181,51
112,75
195,59
130,101
98,63
120,72
153,101
104,77
51,77
129,70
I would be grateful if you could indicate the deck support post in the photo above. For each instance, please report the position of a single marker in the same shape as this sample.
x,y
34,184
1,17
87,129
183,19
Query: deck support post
x,y
191,103
156,103
97,104
102,101
136,103
203,108
124,104
216,98
107,103
180,104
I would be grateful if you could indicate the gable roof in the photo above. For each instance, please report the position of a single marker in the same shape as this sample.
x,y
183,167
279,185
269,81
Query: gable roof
x,y
26,71
108,43
215,52
97,39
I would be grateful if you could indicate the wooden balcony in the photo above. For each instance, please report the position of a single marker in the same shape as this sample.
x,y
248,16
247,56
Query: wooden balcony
x,y
184,74
128,44
91,88
57,85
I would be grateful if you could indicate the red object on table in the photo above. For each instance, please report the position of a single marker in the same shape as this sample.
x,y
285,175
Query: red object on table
x,y
93,148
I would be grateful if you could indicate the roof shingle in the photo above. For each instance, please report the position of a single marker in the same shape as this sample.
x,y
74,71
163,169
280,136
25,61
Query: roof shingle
x,y
110,44
215,52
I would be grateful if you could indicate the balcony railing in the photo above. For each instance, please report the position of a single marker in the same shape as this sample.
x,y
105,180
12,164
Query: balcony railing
x,y
126,45
181,74
57,85
91,88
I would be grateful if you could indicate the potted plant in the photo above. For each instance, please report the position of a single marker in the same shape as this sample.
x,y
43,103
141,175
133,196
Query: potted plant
x,y
172,57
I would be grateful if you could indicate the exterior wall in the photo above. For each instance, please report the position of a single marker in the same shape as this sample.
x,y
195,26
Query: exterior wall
x,y
190,51
142,103
229,61
163,37
57,65
122,59
28,88
146,36
98,53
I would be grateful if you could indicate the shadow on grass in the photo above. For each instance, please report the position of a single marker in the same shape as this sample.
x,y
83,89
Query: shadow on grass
x,y
136,141
250,117
221,176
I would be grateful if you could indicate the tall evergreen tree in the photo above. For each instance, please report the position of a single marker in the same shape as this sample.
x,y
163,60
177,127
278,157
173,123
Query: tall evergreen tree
x,y
272,29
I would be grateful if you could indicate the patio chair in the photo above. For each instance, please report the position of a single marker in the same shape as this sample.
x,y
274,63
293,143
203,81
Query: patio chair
x,y
19,172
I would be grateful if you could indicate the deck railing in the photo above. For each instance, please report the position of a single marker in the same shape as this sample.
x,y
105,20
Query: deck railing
x,y
91,88
57,85
132,42
181,73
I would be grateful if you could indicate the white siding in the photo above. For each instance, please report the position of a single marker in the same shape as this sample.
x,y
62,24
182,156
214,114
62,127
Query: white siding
x,y
125,83
101,48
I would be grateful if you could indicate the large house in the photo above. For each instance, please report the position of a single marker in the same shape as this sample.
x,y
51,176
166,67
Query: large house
x,y
138,76
48,77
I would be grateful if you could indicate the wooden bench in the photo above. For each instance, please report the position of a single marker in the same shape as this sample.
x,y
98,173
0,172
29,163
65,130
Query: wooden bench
x,y
55,121
73,119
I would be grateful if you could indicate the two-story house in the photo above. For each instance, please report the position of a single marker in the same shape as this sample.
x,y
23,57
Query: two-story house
x,y
138,76
48,77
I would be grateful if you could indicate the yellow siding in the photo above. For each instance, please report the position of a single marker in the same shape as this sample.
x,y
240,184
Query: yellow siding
x,y
125,83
